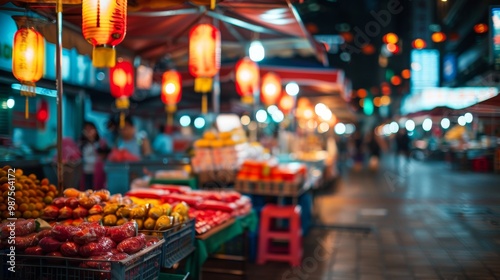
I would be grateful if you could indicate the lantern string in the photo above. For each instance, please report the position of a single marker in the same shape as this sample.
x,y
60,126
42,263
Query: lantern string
x,y
122,119
204,104
27,109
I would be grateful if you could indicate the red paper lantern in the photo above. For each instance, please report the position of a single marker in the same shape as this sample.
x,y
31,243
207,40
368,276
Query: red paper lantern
x,y
271,89
286,103
122,79
247,78
171,90
104,25
204,55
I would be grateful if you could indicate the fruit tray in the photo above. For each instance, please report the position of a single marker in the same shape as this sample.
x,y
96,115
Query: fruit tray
x,y
179,242
144,265
270,187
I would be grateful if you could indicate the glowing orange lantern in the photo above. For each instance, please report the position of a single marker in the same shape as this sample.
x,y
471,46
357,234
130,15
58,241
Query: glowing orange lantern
x,y
28,54
438,37
396,80
104,25
122,85
480,28
390,38
271,89
204,58
171,92
419,44
286,103
247,79
406,74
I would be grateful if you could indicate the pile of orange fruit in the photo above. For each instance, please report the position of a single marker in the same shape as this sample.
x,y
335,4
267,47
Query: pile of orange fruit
x,y
31,194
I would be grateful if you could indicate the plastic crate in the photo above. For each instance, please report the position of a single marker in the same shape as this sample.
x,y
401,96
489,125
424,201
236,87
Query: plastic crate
x,y
179,242
168,276
145,265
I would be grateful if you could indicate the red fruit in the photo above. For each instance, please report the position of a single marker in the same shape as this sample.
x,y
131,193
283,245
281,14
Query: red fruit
x,y
49,244
96,209
120,233
59,202
22,228
118,257
132,245
64,232
89,232
50,212
36,250
23,242
65,213
42,234
69,249
80,212
72,202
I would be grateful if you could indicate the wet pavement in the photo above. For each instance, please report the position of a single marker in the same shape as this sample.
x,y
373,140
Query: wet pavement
x,y
425,221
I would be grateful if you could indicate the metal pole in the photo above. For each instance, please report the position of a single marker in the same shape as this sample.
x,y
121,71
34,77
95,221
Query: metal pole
x,y
59,86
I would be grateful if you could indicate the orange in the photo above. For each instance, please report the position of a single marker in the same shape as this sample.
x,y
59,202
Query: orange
x,y
31,206
18,214
32,200
52,188
26,193
39,199
39,193
39,206
19,194
35,214
32,176
1,199
3,207
5,194
27,214
44,188
23,207
5,214
51,194
48,200
44,182
32,193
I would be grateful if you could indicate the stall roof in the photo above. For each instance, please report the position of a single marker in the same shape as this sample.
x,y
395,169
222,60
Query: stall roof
x,y
159,29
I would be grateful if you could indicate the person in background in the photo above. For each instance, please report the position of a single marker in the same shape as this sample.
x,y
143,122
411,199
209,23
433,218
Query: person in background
x,y
90,142
402,147
163,144
374,150
133,143
111,133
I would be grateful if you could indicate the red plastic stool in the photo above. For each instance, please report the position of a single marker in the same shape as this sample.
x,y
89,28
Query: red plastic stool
x,y
480,164
293,235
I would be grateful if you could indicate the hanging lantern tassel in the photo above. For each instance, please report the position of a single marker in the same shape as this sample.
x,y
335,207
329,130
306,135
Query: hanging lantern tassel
x,y
247,99
212,4
203,84
28,90
204,103
122,104
170,109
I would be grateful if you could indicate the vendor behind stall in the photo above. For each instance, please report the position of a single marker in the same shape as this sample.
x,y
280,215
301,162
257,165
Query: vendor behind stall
x,y
163,144
134,143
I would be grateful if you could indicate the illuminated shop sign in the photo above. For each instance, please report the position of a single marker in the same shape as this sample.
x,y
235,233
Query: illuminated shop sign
x,y
424,69
453,98
495,36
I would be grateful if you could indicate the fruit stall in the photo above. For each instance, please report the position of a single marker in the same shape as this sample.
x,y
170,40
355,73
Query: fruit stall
x,y
96,235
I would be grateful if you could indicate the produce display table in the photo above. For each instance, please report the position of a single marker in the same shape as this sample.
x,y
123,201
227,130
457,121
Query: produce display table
x,y
191,182
210,242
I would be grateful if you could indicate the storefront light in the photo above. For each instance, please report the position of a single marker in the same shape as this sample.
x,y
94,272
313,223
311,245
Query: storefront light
x,y
394,127
468,117
261,116
350,128
185,121
245,120
387,130
461,120
10,103
340,128
445,123
410,125
256,51
278,116
427,125
323,127
292,89
199,122
271,109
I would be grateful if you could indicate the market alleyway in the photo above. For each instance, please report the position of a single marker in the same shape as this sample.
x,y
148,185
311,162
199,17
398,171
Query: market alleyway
x,y
428,222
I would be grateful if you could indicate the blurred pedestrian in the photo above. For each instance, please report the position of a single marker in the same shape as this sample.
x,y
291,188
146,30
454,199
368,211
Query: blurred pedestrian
x,y
402,148
136,144
374,150
358,151
89,144
163,144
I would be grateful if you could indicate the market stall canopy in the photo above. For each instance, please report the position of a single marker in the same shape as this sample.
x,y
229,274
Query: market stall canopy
x,y
160,29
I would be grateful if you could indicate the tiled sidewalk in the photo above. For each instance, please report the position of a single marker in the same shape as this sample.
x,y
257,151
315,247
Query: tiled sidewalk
x,y
427,223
